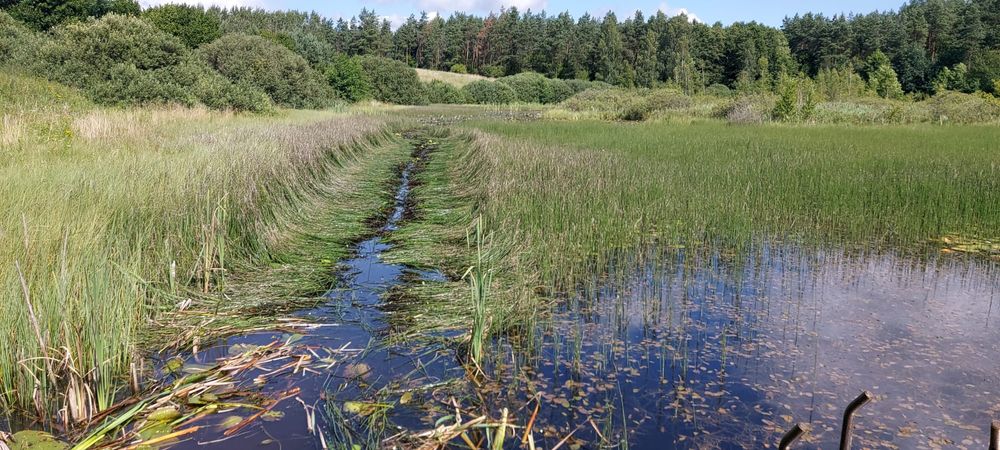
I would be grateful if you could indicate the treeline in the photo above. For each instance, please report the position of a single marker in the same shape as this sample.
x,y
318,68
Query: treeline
x,y
926,41
245,58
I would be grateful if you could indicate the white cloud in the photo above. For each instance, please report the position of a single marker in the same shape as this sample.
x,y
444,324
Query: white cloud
x,y
678,11
206,3
481,6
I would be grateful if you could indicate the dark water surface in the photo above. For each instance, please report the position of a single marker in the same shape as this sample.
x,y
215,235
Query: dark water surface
x,y
355,370
672,349
701,351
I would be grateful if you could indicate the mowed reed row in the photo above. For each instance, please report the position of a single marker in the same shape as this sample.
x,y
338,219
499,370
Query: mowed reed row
x,y
574,191
110,216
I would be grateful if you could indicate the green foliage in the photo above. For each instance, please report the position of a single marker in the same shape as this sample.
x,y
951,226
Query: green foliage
x,y
261,64
348,78
439,92
19,46
485,92
459,68
492,71
839,84
531,87
957,107
393,81
124,60
45,14
313,48
985,69
796,99
192,24
882,79
719,90
280,38
954,79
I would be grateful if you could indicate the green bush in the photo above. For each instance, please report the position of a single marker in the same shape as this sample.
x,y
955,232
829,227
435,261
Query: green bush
x,y
578,86
191,24
557,91
719,90
957,107
315,50
348,78
486,92
529,87
19,46
491,71
45,14
439,92
258,63
459,68
124,60
393,81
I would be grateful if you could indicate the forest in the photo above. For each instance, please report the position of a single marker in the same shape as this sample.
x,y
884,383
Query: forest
x,y
925,46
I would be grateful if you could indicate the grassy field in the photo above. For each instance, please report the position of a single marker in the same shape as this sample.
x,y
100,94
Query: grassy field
x,y
571,191
454,79
112,217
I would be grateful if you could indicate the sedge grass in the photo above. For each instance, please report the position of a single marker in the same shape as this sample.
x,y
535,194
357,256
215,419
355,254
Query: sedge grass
x,y
574,190
109,216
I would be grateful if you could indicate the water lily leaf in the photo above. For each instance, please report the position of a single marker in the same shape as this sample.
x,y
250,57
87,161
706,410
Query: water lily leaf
x,y
361,408
173,365
230,421
155,430
239,349
164,414
35,440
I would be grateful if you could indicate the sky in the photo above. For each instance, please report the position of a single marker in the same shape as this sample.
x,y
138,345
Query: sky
x,y
708,11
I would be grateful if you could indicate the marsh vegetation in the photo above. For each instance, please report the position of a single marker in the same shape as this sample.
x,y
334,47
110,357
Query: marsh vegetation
x,y
238,228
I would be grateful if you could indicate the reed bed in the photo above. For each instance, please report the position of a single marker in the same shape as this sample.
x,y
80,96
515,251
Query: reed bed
x,y
572,192
110,217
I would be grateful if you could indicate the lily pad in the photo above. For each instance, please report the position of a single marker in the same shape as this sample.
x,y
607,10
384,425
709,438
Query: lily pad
x,y
164,414
35,440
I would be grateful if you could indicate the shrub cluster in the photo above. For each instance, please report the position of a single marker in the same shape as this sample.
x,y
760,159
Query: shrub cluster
x,y
393,81
19,45
348,78
532,87
486,92
125,60
259,63
439,92
191,24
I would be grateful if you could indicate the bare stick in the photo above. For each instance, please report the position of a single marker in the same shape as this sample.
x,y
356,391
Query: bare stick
x,y
792,435
995,435
845,432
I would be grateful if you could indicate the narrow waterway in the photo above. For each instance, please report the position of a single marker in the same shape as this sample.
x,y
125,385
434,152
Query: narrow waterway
x,y
352,388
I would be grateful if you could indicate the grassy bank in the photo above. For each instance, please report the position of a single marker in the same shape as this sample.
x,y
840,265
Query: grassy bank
x,y
571,191
112,217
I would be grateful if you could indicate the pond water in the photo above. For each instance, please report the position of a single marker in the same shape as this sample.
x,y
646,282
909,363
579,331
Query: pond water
x,y
346,369
665,349
704,351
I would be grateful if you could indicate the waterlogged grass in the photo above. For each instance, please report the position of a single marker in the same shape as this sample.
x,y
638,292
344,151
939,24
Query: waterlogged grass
x,y
111,217
572,191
